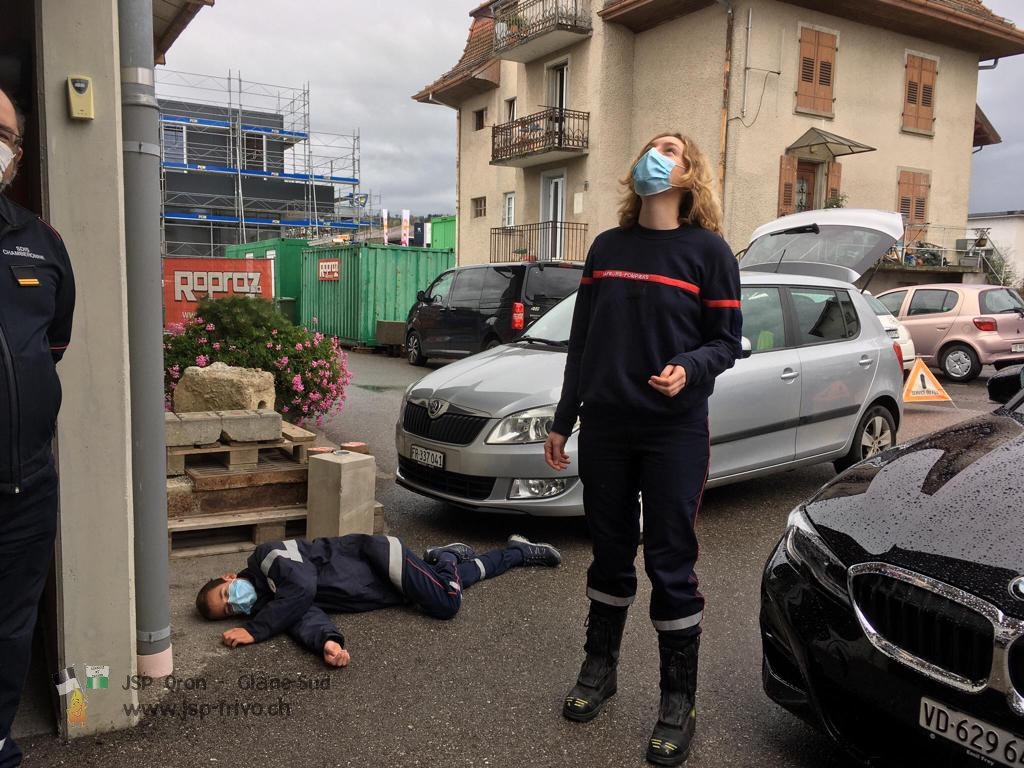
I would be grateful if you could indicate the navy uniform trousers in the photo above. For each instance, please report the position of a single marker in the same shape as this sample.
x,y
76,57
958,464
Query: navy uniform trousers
x,y
28,525
667,462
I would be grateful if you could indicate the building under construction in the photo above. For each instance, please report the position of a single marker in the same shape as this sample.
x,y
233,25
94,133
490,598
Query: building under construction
x,y
240,162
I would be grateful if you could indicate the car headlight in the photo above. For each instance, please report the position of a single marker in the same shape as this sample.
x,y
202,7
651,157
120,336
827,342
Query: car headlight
x,y
807,549
530,426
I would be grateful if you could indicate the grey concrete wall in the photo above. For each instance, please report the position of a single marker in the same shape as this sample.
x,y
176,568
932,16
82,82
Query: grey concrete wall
x,y
83,199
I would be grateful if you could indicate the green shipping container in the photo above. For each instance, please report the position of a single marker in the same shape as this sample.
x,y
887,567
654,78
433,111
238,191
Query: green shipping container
x,y
442,232
287,255
348,289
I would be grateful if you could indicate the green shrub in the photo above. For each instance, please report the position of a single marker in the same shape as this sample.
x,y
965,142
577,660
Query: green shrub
x,y
310,370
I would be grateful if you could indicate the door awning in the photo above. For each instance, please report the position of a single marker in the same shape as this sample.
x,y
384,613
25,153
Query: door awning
x,y
816,140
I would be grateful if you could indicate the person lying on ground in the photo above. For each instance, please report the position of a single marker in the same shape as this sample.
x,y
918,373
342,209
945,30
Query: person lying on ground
x,y
287,586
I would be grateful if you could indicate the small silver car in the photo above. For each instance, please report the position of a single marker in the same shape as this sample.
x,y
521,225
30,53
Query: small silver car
x,y
822,381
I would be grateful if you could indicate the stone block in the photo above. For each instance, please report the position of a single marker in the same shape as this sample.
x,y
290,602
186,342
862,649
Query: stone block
x,y
340,496
201,428
250,426
221,387
173,433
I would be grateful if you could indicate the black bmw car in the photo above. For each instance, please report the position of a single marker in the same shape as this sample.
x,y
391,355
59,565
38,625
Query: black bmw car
x,y
892,610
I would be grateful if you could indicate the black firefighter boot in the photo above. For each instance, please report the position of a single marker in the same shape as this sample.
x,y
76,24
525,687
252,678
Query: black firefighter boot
x,y
597,679
677,716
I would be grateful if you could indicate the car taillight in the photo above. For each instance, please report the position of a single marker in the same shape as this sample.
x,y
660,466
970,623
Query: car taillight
x,y
899,353
518,316
984,323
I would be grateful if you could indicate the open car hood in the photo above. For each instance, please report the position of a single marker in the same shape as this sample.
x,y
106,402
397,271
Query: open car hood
x,y
838,243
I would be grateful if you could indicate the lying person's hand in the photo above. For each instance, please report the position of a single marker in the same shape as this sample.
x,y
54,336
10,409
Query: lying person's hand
x,y
236,637
335,655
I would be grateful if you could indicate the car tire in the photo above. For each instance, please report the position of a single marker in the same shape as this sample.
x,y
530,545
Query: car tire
x,y
959,363
414,349
491,342
876,431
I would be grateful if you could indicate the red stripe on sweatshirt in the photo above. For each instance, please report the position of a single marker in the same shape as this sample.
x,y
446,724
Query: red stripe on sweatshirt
x,y
722,303
618,274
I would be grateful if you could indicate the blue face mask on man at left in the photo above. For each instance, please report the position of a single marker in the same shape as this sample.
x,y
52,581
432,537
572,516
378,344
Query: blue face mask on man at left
x,y
652,173
241,596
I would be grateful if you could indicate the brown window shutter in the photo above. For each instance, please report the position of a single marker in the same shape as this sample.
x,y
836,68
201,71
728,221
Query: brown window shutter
x,y
926,109
912,197
787,185
833,181
912,93
826,55
805,87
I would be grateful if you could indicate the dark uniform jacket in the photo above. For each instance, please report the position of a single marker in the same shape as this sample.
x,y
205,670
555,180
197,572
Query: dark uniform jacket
x,y
296,579
37,297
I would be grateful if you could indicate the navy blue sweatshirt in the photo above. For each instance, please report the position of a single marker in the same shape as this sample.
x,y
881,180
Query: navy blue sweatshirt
x,y
649,298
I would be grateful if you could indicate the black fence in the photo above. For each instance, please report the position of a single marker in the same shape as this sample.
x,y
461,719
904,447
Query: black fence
x,y
553,129
546,241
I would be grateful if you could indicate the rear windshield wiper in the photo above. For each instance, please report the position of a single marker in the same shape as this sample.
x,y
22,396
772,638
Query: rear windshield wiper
x,y
539,340
813,228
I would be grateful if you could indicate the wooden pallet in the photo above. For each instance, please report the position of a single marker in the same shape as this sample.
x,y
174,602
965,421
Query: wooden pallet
x,y
233,455
271,469
232,531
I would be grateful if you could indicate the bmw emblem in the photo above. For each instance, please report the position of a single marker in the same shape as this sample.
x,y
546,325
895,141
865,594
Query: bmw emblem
x,y
1017,588
436,408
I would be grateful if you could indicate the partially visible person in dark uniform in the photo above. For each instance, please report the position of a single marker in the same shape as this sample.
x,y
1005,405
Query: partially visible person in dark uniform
x,y
37,297
657,318
287,586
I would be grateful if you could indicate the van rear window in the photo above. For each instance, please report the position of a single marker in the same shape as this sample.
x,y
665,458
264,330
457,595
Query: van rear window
x,y
551,282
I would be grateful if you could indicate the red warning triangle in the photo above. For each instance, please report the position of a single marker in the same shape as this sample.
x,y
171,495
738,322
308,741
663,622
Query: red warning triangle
x,y
923,387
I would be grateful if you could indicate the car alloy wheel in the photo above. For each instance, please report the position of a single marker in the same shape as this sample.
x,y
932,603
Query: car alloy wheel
x,y
875,432
414,349
960,363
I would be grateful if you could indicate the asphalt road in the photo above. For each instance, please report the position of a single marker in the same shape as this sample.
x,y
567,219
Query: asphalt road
x,y
486,688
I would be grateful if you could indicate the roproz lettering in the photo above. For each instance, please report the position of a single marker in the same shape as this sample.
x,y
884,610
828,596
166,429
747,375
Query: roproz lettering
x,y
189,284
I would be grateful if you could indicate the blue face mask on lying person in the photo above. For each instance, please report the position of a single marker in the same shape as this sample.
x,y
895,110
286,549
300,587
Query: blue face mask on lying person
x,y
652,173
241,596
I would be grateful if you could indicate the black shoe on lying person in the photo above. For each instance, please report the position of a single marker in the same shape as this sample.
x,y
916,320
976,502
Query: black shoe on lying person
x,y
462,552
535,554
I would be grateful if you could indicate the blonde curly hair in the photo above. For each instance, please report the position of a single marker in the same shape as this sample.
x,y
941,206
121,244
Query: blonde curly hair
x,y
699,205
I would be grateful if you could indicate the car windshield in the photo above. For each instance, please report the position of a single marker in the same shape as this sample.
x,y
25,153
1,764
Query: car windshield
x,y
1000,300
556,324
879,308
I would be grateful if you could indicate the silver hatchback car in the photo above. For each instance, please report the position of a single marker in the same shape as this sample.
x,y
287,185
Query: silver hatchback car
x,y
821,381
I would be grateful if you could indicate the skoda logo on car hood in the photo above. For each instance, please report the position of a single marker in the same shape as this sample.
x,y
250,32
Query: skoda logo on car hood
x,y
436,408
1017,587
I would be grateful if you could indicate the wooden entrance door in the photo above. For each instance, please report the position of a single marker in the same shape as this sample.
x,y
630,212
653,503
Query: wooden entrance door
x,y
806,174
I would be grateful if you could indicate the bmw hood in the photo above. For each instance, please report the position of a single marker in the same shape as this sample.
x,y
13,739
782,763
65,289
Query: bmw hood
x,y
949,505
500,381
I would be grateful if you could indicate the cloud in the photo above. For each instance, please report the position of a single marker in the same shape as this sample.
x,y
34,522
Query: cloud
x,y
363,61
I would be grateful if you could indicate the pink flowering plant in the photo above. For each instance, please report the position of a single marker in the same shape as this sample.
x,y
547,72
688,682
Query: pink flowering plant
x,y
310,369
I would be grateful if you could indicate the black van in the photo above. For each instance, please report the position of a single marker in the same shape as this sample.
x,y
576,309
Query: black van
x,y
469,309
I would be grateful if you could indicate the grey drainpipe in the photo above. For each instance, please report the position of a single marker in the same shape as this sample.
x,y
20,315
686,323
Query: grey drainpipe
x,y
141,145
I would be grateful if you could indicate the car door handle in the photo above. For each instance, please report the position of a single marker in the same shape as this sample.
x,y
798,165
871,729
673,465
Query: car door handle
x,y
865,361
789,374
941,327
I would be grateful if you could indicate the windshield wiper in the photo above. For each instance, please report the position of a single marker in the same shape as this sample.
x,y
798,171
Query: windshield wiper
x,y
805,229
539,340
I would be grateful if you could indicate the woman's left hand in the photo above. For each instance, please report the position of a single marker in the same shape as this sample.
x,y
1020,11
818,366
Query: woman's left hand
x,y
671,380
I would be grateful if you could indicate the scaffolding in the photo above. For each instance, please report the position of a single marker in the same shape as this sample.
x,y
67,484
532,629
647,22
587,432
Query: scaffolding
x,y
240,162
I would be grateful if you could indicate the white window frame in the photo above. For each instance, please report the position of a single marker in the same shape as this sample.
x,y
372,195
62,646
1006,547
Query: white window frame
x,y
510,110
508,210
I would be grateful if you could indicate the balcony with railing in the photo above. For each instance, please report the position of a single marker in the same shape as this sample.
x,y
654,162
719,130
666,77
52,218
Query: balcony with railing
x,y
545,241
529,29
543,137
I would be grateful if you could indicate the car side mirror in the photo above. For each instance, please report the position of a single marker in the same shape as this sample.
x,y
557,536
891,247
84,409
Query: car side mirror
x,y
745,346
421,296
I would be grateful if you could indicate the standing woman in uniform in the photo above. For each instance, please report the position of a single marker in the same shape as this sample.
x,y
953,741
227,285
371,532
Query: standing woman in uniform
x,y
657,318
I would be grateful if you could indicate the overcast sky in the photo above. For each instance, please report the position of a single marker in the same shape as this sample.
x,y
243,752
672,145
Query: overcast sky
x,y
363,61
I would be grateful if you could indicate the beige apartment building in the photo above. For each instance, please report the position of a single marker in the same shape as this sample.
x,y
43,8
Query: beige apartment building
x,y
799,105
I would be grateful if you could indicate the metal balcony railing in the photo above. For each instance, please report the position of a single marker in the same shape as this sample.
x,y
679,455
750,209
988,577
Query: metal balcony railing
x,y
546,241
553,130
518,22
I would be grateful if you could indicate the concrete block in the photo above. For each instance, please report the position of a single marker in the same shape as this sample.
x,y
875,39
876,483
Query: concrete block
x,y
250,426
340,498
200,428
173,434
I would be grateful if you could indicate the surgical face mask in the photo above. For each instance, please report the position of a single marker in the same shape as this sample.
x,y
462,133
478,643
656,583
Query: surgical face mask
x,y
652,173
241,596
6,161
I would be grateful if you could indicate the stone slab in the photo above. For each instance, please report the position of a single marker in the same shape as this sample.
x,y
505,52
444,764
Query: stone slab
x,y
200,428
250,426
341,494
